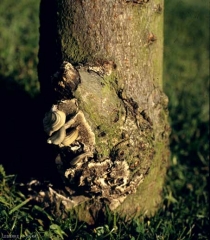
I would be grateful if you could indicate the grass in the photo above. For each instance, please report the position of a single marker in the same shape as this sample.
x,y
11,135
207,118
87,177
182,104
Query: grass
x,y
19,25
185,210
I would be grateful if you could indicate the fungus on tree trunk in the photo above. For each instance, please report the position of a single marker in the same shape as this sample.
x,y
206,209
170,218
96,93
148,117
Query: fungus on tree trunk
x,y
100,66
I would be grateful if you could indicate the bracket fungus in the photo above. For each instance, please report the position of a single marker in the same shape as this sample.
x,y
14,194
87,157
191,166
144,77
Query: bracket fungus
x,y
104,166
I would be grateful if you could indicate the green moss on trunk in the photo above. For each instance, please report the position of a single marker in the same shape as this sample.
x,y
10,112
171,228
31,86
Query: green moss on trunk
x,y
124,104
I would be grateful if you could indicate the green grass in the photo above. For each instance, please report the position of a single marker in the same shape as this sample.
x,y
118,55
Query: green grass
x,y
185,210
19,36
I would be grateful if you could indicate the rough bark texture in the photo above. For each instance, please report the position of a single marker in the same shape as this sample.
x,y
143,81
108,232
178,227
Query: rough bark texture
x,y
119,110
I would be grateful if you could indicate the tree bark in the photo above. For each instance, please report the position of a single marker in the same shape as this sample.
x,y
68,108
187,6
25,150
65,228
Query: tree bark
x,y
100,62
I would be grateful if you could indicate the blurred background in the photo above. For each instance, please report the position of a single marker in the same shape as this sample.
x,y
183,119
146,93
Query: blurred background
x,y
186,82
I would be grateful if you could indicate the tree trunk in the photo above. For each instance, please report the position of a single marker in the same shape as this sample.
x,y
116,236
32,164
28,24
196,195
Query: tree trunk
x,y
100,63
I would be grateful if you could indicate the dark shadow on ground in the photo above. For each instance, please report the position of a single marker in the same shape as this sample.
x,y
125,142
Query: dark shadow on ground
x,y
23,146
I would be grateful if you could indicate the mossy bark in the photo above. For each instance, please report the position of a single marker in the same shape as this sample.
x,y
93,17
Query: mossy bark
x,y
118,45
